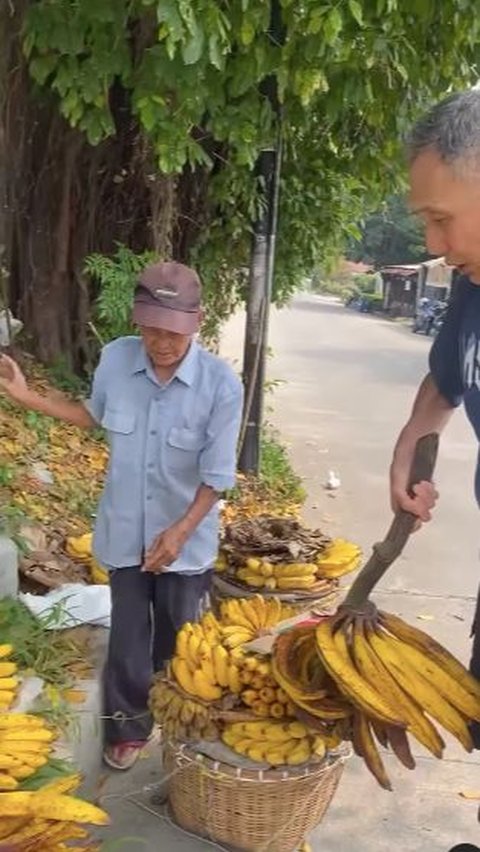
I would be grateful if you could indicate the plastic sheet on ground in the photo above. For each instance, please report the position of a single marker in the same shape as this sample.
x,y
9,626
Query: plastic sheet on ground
x,y
73,604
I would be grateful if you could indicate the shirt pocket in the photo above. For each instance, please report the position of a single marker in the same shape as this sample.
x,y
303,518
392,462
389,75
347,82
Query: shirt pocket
x,y
119,422
183,448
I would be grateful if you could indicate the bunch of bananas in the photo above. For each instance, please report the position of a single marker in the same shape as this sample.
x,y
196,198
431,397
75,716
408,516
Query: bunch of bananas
x,y
384,677
339,558
25,746
274,743
261,692
243,618
8,679
202,666
181,718
45,820
79,548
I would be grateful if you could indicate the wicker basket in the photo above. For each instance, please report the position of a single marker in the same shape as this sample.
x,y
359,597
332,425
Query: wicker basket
x,y
222,588
248,810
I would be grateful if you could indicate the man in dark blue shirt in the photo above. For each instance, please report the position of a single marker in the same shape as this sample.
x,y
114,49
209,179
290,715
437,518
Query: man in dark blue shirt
x,y
445,190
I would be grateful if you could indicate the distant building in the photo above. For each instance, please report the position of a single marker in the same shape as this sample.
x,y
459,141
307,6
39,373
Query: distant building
x,y
405,284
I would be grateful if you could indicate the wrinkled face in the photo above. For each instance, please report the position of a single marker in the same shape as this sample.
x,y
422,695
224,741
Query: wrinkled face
x,y
164,348
449,205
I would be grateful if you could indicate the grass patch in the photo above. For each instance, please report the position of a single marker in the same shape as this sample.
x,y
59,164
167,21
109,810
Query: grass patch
x,y
37,647
276,472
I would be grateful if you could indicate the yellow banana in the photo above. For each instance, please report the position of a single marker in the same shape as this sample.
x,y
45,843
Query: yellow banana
x,y
371,667
6,650
421,690
234,682
204,688
7,782
298,582
435,652
234,615
181,645
183,675
300,754
260,708
335,655
266,570
253,609
254,580
274,612
441,679
257,753
220,663
52,806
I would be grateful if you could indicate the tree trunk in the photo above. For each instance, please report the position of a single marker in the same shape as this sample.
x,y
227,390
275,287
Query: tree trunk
x,y
62,199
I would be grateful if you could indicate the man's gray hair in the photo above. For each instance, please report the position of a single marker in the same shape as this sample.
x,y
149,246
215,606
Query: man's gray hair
x,y
451,128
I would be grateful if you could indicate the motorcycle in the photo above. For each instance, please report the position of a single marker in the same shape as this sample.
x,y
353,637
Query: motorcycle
x,y
429,317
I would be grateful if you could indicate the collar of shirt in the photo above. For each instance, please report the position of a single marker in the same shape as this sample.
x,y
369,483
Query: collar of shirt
x,y
184,373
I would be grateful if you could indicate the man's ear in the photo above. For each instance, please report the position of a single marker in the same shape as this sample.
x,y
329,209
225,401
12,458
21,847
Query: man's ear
x,y
201,315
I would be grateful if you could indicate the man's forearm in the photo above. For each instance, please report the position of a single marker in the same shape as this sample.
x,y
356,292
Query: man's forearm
x,y
60,408
430,413
204,500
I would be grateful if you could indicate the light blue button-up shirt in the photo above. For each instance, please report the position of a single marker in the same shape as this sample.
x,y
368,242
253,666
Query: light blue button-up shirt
x,y
165,441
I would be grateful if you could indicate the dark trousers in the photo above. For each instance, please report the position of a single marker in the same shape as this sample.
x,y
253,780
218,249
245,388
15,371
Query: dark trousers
x,y
475,666
147,611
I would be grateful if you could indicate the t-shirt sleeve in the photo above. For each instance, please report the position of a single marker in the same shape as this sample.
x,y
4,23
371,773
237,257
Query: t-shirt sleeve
x,y
444,360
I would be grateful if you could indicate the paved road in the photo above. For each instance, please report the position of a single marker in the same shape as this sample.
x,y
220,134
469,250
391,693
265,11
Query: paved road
x,y
348,381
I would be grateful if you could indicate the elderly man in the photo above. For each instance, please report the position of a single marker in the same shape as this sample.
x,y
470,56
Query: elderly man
x,y
171,411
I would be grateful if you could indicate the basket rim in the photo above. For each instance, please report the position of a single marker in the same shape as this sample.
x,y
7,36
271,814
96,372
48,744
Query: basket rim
x,y
188,754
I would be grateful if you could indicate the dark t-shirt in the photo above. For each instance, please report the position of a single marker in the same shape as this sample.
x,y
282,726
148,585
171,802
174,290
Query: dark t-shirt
x,y
455,356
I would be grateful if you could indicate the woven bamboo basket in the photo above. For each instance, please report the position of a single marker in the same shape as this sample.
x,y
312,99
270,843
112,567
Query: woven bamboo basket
x,y
222,588
254,811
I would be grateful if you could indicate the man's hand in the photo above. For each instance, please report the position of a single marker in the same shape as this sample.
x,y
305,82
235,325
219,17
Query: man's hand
x,y
166,548
12,380
423,497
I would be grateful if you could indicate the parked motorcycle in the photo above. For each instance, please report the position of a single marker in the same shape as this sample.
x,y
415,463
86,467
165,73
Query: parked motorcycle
x,y
429,317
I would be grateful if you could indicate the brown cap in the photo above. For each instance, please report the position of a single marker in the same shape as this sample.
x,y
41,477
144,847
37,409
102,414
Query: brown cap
x,y
168,296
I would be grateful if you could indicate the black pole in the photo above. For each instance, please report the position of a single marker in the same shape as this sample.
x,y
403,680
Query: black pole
x,y
262,258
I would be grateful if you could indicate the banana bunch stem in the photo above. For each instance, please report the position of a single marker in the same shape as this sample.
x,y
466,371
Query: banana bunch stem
x,y
387,551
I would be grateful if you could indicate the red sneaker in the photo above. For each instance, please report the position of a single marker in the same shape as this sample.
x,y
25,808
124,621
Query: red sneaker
x,y
122,756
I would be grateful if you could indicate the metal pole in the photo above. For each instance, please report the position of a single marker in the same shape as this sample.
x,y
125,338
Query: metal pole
x,y
262,258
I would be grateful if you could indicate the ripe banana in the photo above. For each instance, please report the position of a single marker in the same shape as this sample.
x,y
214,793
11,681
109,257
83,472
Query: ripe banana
x,y
335,655
433,650
183,675
220,663
296,582
371,667
204,688
365,747
420,689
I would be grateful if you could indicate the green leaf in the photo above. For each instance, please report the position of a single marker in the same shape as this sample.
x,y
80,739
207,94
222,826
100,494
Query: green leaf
x,y
333,25
356,10
193,48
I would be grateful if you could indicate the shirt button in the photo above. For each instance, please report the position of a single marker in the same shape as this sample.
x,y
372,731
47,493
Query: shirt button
x,y
149,496
153,431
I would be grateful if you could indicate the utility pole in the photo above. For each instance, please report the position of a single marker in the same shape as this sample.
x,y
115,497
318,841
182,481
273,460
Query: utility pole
x,y
262,258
